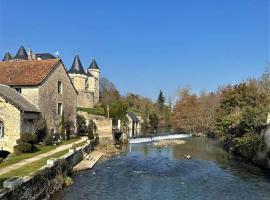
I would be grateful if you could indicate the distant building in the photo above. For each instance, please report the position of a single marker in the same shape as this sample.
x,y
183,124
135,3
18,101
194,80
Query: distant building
x,y
133,124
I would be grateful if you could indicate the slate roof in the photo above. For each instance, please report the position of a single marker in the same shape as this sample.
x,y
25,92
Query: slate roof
x,y
26,72
93,65
17,99
7,57
21,54
45,56
77,67
133,116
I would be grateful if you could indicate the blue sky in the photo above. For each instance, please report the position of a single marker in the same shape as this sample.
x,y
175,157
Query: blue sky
x,y
143,46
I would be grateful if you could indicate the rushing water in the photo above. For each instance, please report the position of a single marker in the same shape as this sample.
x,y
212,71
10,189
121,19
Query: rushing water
x,y
144,171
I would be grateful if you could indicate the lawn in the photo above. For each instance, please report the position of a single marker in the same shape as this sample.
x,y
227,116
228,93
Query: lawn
x,y
41,149
34,166
97,110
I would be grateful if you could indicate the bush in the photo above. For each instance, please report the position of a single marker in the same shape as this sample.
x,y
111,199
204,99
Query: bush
x,y
23,148
19,141
249,145
48,140
81,124
91,129
29,138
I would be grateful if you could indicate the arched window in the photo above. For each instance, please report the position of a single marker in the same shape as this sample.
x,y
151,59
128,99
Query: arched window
x,y
2,129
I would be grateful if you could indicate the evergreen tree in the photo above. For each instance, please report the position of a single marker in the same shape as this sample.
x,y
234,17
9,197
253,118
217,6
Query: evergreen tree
x,y
160,101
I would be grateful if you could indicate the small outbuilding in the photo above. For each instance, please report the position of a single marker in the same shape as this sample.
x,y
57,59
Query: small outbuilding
x,y
133,124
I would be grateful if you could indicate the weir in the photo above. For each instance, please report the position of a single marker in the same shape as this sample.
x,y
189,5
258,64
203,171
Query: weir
x,y
150,138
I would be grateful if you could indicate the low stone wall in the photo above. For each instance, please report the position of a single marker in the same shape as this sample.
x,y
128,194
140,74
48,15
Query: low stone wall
x,y
48,179
104,126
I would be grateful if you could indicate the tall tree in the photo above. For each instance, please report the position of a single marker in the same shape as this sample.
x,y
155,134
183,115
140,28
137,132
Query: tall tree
x,y
160,101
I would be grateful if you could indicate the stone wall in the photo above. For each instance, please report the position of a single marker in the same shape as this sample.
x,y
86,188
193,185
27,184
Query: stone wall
x,y
31,94
85,99
11,117
104,125
49,179
49,98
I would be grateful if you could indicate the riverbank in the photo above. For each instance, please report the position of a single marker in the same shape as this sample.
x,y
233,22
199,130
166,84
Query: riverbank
x,y
48,179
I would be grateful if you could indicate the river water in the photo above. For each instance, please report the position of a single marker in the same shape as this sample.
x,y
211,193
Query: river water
x,y
144,171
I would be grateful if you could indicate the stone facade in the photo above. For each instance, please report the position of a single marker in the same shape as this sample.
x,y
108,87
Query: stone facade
x,y
49,98
15,123
11,118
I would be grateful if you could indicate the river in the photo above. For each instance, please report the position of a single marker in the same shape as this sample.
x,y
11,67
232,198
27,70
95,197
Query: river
x,y
144,171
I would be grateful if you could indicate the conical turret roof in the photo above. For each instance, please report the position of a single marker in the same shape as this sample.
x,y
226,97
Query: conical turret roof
x,y
21,54
77,67
93,65
7,57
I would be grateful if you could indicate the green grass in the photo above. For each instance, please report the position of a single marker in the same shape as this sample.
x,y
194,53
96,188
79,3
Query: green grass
x,y
13,158
34,166
97,110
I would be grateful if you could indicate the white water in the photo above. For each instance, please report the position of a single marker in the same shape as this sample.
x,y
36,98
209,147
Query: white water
x,y
155,138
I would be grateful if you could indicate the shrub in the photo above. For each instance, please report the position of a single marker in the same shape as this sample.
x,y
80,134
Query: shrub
x,y
48,140
29,138
1,160
19,141
91,129
23,148
69,127
81,124
249,145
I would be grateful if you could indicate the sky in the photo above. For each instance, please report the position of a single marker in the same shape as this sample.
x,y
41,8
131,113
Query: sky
x,y
144,46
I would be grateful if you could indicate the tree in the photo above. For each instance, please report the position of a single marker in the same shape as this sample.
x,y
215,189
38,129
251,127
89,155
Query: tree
x,y
118,110
160,101
187,112
108,92
153,120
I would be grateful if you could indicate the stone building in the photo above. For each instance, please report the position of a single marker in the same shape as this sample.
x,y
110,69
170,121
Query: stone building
x,y
86,83
16,116
133,124
42,82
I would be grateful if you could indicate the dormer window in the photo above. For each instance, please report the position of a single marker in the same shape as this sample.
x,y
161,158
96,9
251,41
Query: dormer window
x,y
59,87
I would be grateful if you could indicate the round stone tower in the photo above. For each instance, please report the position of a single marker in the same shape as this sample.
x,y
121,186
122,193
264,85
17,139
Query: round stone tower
x,y
93,73
78,75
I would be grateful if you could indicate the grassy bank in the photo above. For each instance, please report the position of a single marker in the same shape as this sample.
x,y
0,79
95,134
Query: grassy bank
x,y
13,158
34,166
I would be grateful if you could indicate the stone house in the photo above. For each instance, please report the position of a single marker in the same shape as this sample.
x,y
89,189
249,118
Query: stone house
x,y
86,83
133,124
43,83
16,116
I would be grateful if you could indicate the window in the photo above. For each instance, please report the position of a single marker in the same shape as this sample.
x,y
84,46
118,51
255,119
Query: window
x,y
59,87
60,109
2,130
18,90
